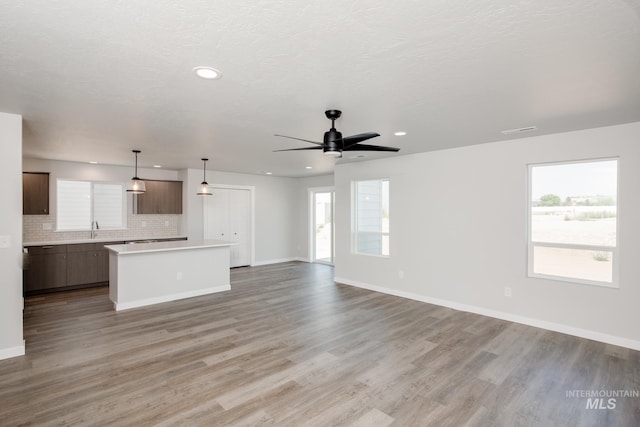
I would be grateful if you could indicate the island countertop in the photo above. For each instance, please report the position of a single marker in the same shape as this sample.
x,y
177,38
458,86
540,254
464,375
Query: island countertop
x,y
138,248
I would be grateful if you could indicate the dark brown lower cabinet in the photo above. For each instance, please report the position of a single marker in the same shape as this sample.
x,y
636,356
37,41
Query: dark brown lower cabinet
x,y
46,268
63,266
103,265
82,264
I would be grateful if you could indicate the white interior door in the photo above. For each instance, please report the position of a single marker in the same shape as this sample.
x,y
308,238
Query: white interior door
x,y
239,229
216,220
227,216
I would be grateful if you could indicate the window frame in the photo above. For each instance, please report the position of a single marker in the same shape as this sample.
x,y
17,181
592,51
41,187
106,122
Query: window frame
x,y
531,245
354,220
92,214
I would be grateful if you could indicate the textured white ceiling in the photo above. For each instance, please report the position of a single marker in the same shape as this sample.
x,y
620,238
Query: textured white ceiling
x,y
95,79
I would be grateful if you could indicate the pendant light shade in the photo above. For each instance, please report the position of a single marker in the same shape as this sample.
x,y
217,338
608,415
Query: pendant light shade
x,y
203,188
136,186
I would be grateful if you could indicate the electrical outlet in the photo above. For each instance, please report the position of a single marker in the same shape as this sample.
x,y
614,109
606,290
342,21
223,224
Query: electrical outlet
x,y
143,224
400,274
179,275
507,291
5,241
166,223
46,226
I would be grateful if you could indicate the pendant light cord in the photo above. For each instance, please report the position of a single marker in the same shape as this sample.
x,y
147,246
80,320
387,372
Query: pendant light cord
x,y
204,169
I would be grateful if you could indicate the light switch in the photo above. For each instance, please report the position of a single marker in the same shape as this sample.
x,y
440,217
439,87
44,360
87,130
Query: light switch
x,y
5,241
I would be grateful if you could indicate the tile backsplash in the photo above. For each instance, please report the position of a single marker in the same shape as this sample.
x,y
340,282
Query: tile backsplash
x,y
41,228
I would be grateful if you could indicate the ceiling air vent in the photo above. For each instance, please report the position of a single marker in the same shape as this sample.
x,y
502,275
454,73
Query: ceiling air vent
x,y
520,130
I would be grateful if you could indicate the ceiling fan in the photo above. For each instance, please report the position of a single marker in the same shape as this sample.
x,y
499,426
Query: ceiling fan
x,y
334,144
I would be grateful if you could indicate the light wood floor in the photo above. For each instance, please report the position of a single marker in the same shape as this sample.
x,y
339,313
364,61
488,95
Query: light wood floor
x,y
289,347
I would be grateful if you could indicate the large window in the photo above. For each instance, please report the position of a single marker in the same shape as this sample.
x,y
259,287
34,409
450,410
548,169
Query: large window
x,y
573,221
82,202
371,217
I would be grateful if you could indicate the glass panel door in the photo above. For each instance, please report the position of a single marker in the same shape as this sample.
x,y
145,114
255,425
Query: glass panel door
x,y
322,225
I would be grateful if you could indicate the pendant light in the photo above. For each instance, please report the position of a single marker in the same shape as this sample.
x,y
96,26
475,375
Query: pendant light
x,y
203,188
136,186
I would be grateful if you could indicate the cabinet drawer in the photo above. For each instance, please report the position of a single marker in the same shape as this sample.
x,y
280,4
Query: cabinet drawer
x,y
47,249
82,247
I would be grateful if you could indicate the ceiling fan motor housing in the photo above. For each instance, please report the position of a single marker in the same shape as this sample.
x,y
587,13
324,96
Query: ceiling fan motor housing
x,y
332,143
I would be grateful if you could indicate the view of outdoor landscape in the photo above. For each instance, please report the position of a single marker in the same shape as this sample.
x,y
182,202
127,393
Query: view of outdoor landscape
x,y
574,220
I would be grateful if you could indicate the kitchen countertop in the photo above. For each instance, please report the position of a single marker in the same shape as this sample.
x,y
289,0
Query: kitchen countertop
x,y
98,240
166,246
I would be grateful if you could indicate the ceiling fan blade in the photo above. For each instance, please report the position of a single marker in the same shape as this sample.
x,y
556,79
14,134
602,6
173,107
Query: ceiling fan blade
x,y
354,139
303,148
365,147
299,139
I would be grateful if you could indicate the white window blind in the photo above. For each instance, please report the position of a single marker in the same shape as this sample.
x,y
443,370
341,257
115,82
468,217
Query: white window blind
x,y
108,204
372,217
82,202
74,205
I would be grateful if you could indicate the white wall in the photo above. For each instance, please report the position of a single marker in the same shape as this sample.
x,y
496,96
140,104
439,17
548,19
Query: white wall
x,y
303,212
458,232
11,303
275,211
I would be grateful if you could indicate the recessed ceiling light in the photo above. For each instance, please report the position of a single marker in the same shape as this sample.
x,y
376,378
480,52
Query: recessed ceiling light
x,y
308,167
519,130
269,173
400,133
93,162
207,73
157,166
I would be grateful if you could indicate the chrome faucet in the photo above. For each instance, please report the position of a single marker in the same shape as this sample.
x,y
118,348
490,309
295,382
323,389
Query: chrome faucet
x,y
94,229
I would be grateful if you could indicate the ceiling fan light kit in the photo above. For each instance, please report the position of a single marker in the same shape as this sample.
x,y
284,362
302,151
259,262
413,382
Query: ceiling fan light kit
x,y
334,144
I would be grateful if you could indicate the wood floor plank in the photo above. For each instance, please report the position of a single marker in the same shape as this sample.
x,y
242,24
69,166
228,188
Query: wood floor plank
x,y
286,346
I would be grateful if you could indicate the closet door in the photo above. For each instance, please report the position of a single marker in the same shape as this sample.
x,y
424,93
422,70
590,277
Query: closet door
x,y
239,227
216,219
228,217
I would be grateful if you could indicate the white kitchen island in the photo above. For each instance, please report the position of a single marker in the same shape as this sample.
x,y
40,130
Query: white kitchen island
x,y
149,273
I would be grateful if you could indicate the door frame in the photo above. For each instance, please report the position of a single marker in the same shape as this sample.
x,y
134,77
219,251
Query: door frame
x,y
311,223
252,219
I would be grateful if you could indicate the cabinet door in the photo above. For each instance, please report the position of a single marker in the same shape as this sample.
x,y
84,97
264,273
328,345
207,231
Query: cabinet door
x,y
103,262
170,201
35,193
148,202
47,268
160,197
82,264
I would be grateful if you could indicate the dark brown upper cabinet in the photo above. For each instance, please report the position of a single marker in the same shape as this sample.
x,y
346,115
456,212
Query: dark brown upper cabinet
x,y
35,193
160,197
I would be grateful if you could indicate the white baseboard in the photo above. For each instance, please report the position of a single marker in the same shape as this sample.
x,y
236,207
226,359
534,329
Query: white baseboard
x,y
166,298
538,323
7,353
277,261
